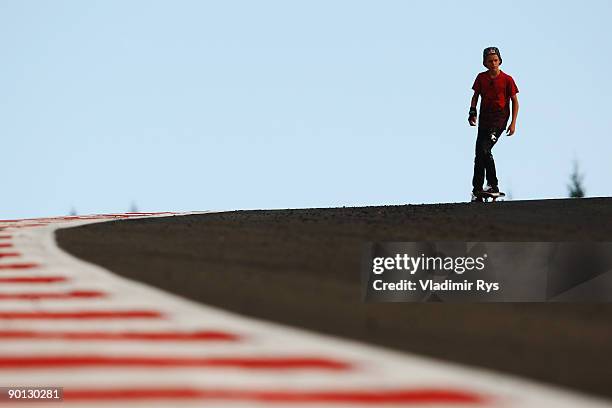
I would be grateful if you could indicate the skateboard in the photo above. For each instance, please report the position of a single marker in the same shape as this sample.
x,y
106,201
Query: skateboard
x,y
493,196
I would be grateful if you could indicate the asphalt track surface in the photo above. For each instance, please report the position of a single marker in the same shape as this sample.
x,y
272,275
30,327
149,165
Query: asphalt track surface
x,y
302,268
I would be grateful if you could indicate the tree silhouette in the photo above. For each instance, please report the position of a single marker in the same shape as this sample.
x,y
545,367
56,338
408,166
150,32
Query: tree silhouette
x,y
575,187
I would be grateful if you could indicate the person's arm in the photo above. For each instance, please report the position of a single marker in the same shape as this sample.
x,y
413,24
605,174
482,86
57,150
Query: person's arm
x,y
473,103
515,109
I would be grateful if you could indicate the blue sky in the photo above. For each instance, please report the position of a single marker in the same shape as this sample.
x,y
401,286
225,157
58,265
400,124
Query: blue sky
x,y
196,105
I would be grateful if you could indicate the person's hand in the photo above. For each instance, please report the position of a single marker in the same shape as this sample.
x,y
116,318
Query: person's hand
x,y
472,116
511,129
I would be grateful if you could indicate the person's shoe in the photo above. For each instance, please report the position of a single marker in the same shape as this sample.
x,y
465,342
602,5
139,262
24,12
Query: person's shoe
x,y
476,199
491,189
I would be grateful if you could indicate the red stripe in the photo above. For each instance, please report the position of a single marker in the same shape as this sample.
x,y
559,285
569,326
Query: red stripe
x,y
139,336
253,363
4,236
57,219
26,225
401,396
46,219
9,254
18,266
76,218
34,279
19,220
77,294
84,314
9,245
145,214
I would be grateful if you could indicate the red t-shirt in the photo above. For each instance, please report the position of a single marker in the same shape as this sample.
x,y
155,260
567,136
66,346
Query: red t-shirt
x,y
495,94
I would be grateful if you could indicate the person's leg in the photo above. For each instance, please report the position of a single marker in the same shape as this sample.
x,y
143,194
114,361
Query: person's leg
x,y
487,145
479,163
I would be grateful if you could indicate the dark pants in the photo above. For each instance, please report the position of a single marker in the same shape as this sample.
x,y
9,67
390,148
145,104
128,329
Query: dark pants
x,y
483,162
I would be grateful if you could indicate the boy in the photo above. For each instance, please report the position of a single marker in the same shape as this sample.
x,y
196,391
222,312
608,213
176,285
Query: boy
x,y
496,89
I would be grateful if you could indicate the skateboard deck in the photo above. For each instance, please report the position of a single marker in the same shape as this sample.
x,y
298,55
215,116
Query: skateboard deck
x,y
493,196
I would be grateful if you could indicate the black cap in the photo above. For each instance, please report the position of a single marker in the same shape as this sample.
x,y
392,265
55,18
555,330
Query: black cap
x,y
491,50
